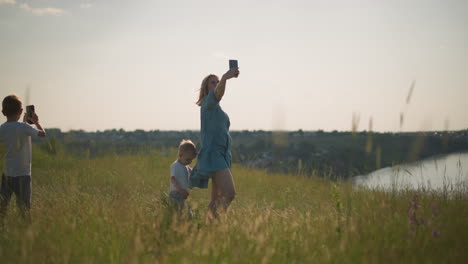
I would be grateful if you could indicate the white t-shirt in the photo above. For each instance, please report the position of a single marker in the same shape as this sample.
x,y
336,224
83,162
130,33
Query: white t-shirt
x,y
16,137
181,173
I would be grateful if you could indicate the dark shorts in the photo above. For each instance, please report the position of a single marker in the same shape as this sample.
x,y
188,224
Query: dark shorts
x,y
177,198
20,186
178,201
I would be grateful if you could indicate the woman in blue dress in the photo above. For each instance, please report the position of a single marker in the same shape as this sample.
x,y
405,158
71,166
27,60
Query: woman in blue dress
x,y
214,158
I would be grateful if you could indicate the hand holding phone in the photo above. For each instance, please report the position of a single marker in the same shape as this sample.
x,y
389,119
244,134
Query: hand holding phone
x,y
30,111
233,64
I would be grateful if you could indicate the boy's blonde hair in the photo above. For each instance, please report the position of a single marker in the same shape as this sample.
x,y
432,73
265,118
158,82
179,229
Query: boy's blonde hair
x,y
187,145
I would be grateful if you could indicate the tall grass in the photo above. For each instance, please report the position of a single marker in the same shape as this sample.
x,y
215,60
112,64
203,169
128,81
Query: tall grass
x,y
114,210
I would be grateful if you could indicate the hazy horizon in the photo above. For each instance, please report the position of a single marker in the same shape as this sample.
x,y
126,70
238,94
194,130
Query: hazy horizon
x,y
254,130
310,65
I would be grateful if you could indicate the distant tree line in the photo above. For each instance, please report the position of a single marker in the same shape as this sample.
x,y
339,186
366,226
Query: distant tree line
x,y
342,154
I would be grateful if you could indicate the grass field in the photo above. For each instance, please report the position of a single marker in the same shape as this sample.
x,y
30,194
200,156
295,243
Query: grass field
x,y
113,210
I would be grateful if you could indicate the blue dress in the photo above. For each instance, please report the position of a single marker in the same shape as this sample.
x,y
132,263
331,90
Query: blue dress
x,y
215,151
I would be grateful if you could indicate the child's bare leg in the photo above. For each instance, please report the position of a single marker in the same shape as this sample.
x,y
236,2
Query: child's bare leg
x,y
5,196
3,208
23,197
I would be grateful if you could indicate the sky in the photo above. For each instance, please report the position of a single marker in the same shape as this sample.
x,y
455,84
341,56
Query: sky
x,y
105,64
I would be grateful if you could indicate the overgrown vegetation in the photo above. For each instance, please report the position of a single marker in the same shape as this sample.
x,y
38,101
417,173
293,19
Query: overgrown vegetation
x,y
113,209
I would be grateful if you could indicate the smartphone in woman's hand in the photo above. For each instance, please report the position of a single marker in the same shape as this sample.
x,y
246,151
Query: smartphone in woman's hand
x,y
233,64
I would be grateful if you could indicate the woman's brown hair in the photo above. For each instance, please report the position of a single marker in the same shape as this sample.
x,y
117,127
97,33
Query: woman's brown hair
x,y
204,89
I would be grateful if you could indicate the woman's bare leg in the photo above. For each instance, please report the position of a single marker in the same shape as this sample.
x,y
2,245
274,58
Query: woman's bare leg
x,y
225,183
215,196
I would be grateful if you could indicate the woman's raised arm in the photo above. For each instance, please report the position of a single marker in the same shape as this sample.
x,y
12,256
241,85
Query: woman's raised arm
x,y
219,91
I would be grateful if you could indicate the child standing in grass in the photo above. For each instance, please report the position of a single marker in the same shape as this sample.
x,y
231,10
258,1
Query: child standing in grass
x,y
16,137
180,172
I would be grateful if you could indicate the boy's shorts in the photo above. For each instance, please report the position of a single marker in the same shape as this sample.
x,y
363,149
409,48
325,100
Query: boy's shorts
x,y
177,198
178,201
21,186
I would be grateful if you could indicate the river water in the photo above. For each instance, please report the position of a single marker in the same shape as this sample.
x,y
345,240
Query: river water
x,y
436,173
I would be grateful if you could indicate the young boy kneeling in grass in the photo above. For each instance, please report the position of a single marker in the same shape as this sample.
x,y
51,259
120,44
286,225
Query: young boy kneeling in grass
x,y
16,136
180,172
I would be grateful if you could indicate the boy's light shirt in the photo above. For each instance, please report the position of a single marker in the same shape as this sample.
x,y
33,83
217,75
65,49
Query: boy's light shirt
x,y
181,173
16,137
